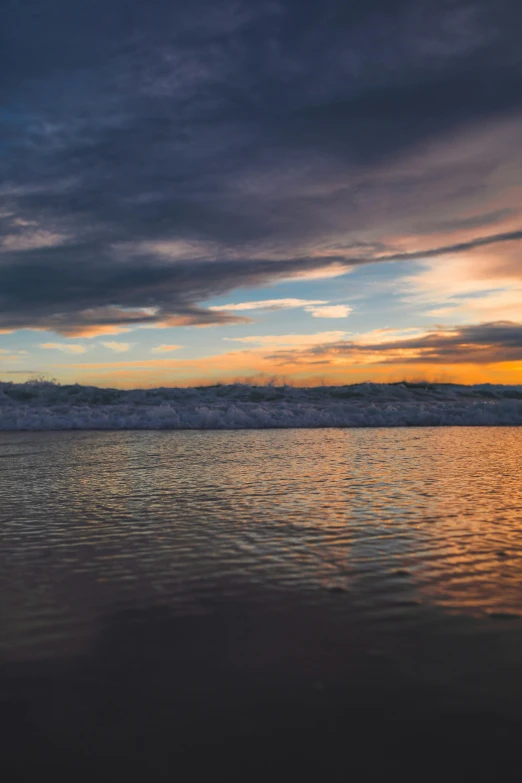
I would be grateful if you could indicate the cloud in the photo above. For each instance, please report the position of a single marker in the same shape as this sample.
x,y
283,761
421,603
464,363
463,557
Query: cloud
x,y
484,285
63,301
185,152
79,329
269,304
165,348
31,240
330,311
486,343
11,357
30,373
271,340
79,299
64,347
458,247
117,347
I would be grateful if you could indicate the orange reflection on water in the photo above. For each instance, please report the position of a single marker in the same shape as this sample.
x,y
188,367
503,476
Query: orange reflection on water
x,y
403,520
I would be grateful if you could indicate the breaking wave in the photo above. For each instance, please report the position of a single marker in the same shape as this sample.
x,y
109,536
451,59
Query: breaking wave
x,y
42,405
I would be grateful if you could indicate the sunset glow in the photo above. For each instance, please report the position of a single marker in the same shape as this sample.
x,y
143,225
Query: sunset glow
x,y
148,210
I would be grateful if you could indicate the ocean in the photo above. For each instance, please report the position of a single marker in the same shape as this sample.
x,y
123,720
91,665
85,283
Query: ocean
x,y
43,405
329,599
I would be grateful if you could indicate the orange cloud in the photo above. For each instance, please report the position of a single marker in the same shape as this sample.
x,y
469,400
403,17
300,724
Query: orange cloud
x,y
92,330
165,348
64,347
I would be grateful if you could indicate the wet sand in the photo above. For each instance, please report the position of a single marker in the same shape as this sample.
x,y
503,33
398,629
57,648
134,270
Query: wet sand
x,y
249,691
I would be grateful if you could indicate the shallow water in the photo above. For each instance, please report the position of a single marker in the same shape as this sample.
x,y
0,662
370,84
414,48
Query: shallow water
x,y
293,566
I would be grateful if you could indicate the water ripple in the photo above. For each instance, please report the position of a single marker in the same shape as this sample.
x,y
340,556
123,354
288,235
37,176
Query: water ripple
x,y
398,526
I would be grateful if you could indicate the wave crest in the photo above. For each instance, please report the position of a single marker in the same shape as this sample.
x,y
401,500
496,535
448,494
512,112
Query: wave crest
x,y
41,405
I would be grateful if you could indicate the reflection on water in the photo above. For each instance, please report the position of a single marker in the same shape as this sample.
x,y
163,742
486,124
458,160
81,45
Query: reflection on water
x,y
210,585
402,521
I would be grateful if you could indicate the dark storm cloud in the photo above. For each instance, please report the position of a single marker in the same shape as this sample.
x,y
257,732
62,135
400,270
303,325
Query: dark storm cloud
x,y
486,343
53,293
43,289
215,122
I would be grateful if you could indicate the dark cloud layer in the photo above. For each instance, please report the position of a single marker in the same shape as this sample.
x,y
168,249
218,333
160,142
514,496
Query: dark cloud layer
x,y
487,343
257,131
103,292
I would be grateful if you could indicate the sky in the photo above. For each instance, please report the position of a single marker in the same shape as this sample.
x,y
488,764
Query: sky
x,y
280,190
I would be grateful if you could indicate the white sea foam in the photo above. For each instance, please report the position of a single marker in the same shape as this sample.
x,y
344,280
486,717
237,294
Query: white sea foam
x,y
48,406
